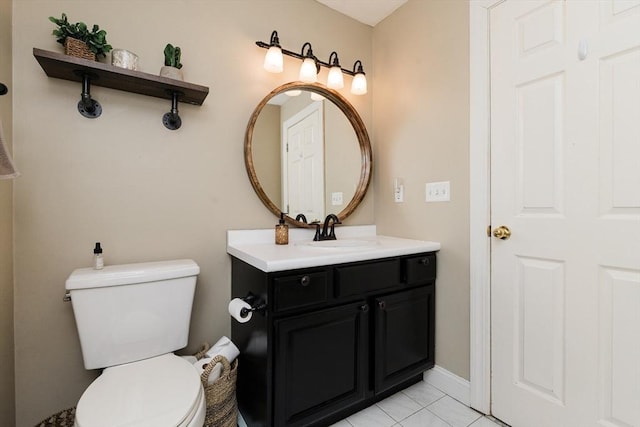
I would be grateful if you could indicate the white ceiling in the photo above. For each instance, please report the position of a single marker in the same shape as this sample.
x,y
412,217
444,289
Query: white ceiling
x,y
368,12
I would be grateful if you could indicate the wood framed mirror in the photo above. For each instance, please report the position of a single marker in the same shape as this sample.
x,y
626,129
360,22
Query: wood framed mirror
x,y
307,151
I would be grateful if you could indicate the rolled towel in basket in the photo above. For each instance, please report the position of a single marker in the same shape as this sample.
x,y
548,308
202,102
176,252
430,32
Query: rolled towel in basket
x,y
224,347
201,364
7,170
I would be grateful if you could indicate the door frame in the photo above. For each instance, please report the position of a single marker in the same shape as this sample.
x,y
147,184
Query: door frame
x,y
480,205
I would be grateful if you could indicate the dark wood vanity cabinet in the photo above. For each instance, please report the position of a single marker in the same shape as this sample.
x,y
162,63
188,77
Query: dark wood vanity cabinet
x,y
404,334
320,363
333,339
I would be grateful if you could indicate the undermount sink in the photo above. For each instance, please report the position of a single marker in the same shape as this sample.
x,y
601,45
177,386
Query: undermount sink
x,y
341,243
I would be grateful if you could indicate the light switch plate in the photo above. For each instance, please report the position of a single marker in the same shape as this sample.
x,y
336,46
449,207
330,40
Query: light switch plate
x,y
438,191
336,198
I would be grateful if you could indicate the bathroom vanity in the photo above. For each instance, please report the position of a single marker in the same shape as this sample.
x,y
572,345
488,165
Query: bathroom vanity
x,y
341,324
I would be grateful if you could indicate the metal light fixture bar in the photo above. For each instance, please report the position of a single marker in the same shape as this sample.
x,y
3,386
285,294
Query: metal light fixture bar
x,y
301,57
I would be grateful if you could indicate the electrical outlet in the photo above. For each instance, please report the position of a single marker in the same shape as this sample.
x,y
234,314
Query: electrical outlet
x,y
398,190
336,198
438,191
398,194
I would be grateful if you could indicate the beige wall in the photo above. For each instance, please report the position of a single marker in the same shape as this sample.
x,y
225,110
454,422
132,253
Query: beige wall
x,y
6,230
145,192
421,116
149,193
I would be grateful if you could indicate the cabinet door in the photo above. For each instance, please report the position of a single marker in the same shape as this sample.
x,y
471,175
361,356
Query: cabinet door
x,y
404,335
321,362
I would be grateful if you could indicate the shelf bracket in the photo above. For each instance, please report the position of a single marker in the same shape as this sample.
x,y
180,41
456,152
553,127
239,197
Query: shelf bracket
x,y
172,120
88,107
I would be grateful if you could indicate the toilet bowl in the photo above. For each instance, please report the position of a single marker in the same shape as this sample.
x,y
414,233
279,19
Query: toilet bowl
x,y
161,391
130,319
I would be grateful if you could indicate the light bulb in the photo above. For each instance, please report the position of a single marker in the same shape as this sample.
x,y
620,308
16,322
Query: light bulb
x,y
335,79
308,71
359,84
316,96
273,60
293,92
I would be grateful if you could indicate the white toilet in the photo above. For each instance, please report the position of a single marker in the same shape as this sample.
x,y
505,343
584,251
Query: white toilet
x,y
130,319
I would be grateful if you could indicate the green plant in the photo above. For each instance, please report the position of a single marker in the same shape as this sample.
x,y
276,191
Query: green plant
x,y
172,56
96,39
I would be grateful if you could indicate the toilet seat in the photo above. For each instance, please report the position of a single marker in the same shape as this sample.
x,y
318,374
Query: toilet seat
x,y
161,391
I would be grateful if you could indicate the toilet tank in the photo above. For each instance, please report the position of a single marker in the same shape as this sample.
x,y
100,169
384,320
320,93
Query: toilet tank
x,y
126,313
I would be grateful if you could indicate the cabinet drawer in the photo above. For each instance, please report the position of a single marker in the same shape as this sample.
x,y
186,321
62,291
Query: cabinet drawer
x,y
300,290
420,269
364,278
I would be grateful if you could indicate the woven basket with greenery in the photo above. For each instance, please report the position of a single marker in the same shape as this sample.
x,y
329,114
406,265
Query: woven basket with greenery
x,y
78,40
78,48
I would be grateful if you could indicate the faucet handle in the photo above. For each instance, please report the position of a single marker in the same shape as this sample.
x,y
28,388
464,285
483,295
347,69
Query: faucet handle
x,y
317,237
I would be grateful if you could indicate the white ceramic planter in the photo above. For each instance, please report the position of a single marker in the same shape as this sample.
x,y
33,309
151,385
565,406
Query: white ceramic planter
x,y
171,72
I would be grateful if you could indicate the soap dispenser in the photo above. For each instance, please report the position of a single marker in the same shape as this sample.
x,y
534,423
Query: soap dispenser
x,y
282,231
98,262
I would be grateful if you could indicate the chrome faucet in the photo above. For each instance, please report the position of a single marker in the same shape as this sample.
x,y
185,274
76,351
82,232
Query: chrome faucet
x,y
328,232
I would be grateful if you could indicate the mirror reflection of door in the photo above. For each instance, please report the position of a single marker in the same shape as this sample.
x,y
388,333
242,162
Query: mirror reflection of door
x,y
303,155
345,148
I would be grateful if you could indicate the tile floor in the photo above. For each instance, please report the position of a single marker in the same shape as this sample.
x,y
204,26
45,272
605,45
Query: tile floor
x,y
420,405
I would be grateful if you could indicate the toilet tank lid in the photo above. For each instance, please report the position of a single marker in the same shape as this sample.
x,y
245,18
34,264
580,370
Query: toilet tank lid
x,y
125,274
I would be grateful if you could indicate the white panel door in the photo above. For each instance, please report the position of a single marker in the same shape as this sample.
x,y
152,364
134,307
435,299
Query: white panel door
x,y
303,180
565,180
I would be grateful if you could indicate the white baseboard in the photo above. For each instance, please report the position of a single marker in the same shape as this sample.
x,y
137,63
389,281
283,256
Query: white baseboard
x,y
450,383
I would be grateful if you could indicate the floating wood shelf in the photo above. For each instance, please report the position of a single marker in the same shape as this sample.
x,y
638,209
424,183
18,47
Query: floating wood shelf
x,y
82,70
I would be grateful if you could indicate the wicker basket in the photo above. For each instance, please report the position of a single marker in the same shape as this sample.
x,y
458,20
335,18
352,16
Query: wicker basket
x,y
222,407
78,48
64,418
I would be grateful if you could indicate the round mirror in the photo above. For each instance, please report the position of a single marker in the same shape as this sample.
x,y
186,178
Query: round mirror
x,y
307,152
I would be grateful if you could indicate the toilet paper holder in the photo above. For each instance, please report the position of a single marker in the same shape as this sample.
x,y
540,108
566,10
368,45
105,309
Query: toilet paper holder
x,y
256,303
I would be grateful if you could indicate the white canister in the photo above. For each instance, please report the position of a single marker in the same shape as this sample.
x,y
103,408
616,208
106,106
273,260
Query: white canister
x,y
124,59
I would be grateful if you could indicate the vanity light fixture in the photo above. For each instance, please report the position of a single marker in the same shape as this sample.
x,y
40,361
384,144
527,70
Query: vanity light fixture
x,y
309,68
273,59
359,83
334,79
273,62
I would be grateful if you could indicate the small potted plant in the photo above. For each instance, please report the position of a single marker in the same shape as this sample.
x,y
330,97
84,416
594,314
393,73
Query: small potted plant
x,y
78,40
172,63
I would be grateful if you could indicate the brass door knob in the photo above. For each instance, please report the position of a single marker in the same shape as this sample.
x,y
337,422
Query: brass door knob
x,y
502,232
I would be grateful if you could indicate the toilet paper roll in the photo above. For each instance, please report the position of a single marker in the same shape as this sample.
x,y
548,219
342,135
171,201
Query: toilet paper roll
x,y
224,347
215,372
235,308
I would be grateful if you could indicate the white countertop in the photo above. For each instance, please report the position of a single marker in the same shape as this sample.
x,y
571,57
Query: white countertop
x,y
258,248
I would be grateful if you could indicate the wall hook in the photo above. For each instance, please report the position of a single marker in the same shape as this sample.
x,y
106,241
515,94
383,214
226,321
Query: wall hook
x,y
88,107
3,89
172,120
